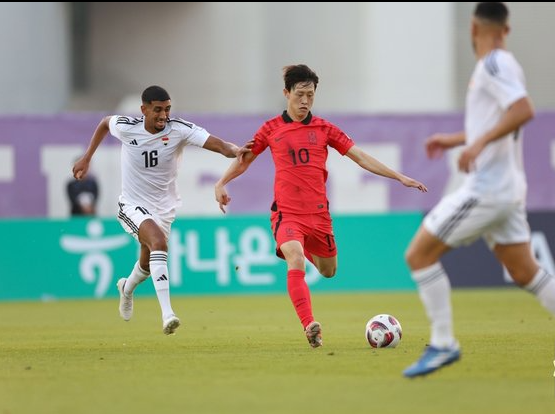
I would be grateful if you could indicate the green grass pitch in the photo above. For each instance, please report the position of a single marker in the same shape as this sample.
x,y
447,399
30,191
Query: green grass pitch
x,y
248,354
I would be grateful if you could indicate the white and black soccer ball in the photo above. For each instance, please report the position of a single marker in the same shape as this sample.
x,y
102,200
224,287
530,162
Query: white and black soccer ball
x,y
383,331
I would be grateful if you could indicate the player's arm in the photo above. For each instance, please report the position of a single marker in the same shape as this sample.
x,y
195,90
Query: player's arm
x,y
227,149
438,143
81,166
374,166
215,144
235,170
519,113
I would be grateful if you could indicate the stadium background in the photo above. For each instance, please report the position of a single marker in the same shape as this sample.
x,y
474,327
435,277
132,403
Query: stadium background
x,y
387,78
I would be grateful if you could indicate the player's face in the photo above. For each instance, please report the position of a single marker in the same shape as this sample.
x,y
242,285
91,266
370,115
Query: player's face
x,y
300,100
156,115
474,32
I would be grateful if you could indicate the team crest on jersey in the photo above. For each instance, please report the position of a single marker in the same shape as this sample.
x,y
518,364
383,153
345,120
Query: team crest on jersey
x,y
165,140
312,138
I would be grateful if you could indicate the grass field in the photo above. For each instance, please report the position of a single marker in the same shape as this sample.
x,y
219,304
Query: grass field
x,y
248,354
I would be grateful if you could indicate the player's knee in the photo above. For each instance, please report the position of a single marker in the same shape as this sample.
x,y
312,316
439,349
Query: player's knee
x,y
521,276
328,272
159,244
295,260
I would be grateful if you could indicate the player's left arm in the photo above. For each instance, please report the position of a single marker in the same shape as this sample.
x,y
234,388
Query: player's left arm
x,y
374,166
235,170
518,114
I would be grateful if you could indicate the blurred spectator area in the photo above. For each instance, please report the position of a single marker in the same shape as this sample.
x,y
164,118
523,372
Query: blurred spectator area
x,y
213,57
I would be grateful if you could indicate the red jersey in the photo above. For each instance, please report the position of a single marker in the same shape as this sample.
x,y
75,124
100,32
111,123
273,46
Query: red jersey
x,y
300,152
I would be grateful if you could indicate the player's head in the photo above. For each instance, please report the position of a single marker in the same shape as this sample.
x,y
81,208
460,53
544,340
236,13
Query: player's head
x,y
299,74
490,20
156,108
492,13
300,87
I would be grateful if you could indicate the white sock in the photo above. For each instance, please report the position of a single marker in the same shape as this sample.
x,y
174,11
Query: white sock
x,y
543,286
137,276
161,280
435,293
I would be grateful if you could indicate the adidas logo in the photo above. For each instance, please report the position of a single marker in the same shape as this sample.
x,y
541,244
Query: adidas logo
x,y
161,278
134,142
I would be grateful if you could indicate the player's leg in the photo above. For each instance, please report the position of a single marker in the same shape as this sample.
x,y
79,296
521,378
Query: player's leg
x,y
152,236
309,256
510,242
126,285
456,220
327,266
140,272
434,289
320,245
423,258
298,290
525,271
130,219
289,233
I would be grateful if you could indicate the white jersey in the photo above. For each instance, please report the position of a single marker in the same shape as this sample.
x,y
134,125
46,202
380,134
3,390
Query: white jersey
x,y
497,82
149,162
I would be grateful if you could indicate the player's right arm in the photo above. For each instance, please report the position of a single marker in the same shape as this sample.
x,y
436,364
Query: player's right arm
x,y
438,143
81,166
374,166
235,170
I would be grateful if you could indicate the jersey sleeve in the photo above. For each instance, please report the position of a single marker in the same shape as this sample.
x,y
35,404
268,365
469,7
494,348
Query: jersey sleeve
x,y
261,140
339,140
118,125
192,134
505,81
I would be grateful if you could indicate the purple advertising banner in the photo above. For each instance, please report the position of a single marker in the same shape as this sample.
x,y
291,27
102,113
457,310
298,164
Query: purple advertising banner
x,y
34,149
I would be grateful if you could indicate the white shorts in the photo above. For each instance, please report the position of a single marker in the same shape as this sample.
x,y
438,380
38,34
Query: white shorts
x,y
461,218
131,217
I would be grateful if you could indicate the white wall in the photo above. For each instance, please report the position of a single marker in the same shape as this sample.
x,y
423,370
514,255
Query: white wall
x,y
407,57
220,57
35,50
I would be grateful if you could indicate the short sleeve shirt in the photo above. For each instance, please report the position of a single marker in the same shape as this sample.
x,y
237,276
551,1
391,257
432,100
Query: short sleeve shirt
x,y
149,162
497,82
300,152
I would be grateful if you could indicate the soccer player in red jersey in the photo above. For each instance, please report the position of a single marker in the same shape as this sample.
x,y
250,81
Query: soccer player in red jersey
x,y
301,221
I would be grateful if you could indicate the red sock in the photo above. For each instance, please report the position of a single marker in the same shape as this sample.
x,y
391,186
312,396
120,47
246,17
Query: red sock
x,y
300,295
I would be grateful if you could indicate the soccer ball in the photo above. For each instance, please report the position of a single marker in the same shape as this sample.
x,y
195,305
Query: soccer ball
x,y
383,331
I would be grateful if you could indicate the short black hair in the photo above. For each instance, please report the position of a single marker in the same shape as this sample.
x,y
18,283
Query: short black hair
x,y
155,93
493,12
294,74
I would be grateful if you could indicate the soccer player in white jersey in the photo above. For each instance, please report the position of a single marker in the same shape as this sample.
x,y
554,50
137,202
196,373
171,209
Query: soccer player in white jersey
x,y
491,201
151,150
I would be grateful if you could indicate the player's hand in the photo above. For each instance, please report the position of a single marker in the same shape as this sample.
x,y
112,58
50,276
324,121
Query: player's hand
x,y
467,158
411,182
221,197
436,145
244,149
80,168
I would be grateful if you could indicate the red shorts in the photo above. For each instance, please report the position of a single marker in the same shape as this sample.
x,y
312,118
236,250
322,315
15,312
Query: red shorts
x,y
313,231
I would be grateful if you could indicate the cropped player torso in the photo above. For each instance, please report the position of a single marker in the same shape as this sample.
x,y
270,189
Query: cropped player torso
x,y
150,161
497,82
300,152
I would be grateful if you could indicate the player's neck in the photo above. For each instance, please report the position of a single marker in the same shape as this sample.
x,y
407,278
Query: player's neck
x,y
297,117
485,45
